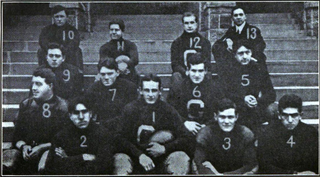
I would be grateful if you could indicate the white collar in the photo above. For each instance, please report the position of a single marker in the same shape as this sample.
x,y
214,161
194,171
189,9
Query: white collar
x,y
240,27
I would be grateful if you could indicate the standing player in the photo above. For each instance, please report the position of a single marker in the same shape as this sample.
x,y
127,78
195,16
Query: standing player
x,y
123,51
62,33
225,147
189,42
83,147
153,133
109,95
289,146
195,98
249,86
69,79
39,119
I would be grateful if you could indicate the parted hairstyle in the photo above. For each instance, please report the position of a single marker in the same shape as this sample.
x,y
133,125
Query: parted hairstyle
x,y
54,45
189,14
239,43
108,62
58,8
290,100
47,74
78,100
119,22
235,8
194,59
225,104
150,77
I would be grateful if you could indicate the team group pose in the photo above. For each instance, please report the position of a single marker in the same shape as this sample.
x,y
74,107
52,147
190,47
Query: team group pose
x,y
123,125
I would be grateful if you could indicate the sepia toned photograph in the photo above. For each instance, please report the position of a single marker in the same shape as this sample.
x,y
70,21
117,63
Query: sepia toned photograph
x,y
160,88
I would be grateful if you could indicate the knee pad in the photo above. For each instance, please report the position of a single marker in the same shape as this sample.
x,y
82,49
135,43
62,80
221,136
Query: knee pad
x,y
122,164
178,163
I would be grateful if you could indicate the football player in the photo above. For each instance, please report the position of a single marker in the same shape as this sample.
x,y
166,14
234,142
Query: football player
x,y
39,119
62,33
225,147
289,146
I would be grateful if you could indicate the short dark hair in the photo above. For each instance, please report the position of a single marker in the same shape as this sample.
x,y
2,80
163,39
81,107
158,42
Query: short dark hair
x,y
47,74
235,8
78,100
120,22
225,104
189,14
194,59
108,62
150,77
58,8
54,45
290,100
239,43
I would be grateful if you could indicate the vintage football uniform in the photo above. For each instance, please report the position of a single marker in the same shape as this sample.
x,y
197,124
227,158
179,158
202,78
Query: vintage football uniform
x,y
229,152
283,151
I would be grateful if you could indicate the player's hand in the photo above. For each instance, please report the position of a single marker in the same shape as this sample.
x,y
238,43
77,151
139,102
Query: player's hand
x,y
144,127
192,126
253,59
207,164
156,149
251,101
229,43
25,152
88,157
97,77
122,58
60,152
146,162
306,173
36,152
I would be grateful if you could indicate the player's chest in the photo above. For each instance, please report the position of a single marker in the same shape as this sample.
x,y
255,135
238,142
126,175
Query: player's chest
x,y
80,143
228,144
155,117
64,34
46,112
195,92
65,76
249,33
196,43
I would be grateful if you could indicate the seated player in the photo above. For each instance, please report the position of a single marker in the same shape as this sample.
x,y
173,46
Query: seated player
x,y
123,51
153,134
191,41
289,146
83,147
225,147
39,119
195,98
69,79
62,33
249,86
109,95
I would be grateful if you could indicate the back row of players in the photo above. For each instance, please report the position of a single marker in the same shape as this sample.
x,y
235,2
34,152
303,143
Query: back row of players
x,y
207,126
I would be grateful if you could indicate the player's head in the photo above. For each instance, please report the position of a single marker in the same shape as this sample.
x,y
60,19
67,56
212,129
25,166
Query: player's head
x,y
290,110
55,55
59,15
242,50
226,115
150,88
190,22
116,27
238,15
43,82
79,112
108,70
196,69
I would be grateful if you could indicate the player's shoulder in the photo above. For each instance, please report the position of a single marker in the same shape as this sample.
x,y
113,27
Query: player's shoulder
x,y
62,104
125,83
72,68
245,132
25,102
132,106
306,129
206,133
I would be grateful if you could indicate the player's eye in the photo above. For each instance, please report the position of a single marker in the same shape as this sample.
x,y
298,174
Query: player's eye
x,y
54,55
286,116
76,112
240,53
201,70
222,117
154,90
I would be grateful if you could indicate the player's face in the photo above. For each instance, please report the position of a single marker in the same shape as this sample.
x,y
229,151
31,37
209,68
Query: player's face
x,y
54,58
243,55
189,24
290,117
227,119
239,17
150,91
80,116
60,18
108,76
115,31
197,73
40,89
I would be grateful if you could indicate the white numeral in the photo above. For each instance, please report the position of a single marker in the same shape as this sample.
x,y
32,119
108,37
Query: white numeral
x,y
46,112
290,141
227,144
114,93
245,79
67,74
196,93
83,138
195,41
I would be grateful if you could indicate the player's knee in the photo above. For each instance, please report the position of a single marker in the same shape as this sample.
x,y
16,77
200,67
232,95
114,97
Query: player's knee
x,y
122,164
176,77
178,163
162,137
10,159
43,160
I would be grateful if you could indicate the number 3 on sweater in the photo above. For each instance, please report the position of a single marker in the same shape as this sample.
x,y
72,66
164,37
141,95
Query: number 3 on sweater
x,y
227,144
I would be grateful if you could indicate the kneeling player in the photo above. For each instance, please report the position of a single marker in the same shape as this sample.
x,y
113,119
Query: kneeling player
x,y
225,147
83,147
153,133
289,146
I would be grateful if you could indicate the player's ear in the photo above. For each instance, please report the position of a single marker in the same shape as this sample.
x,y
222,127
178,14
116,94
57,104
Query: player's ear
x,y
63,58
140,90
279,117
51,86
215,116
237,115
187,71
